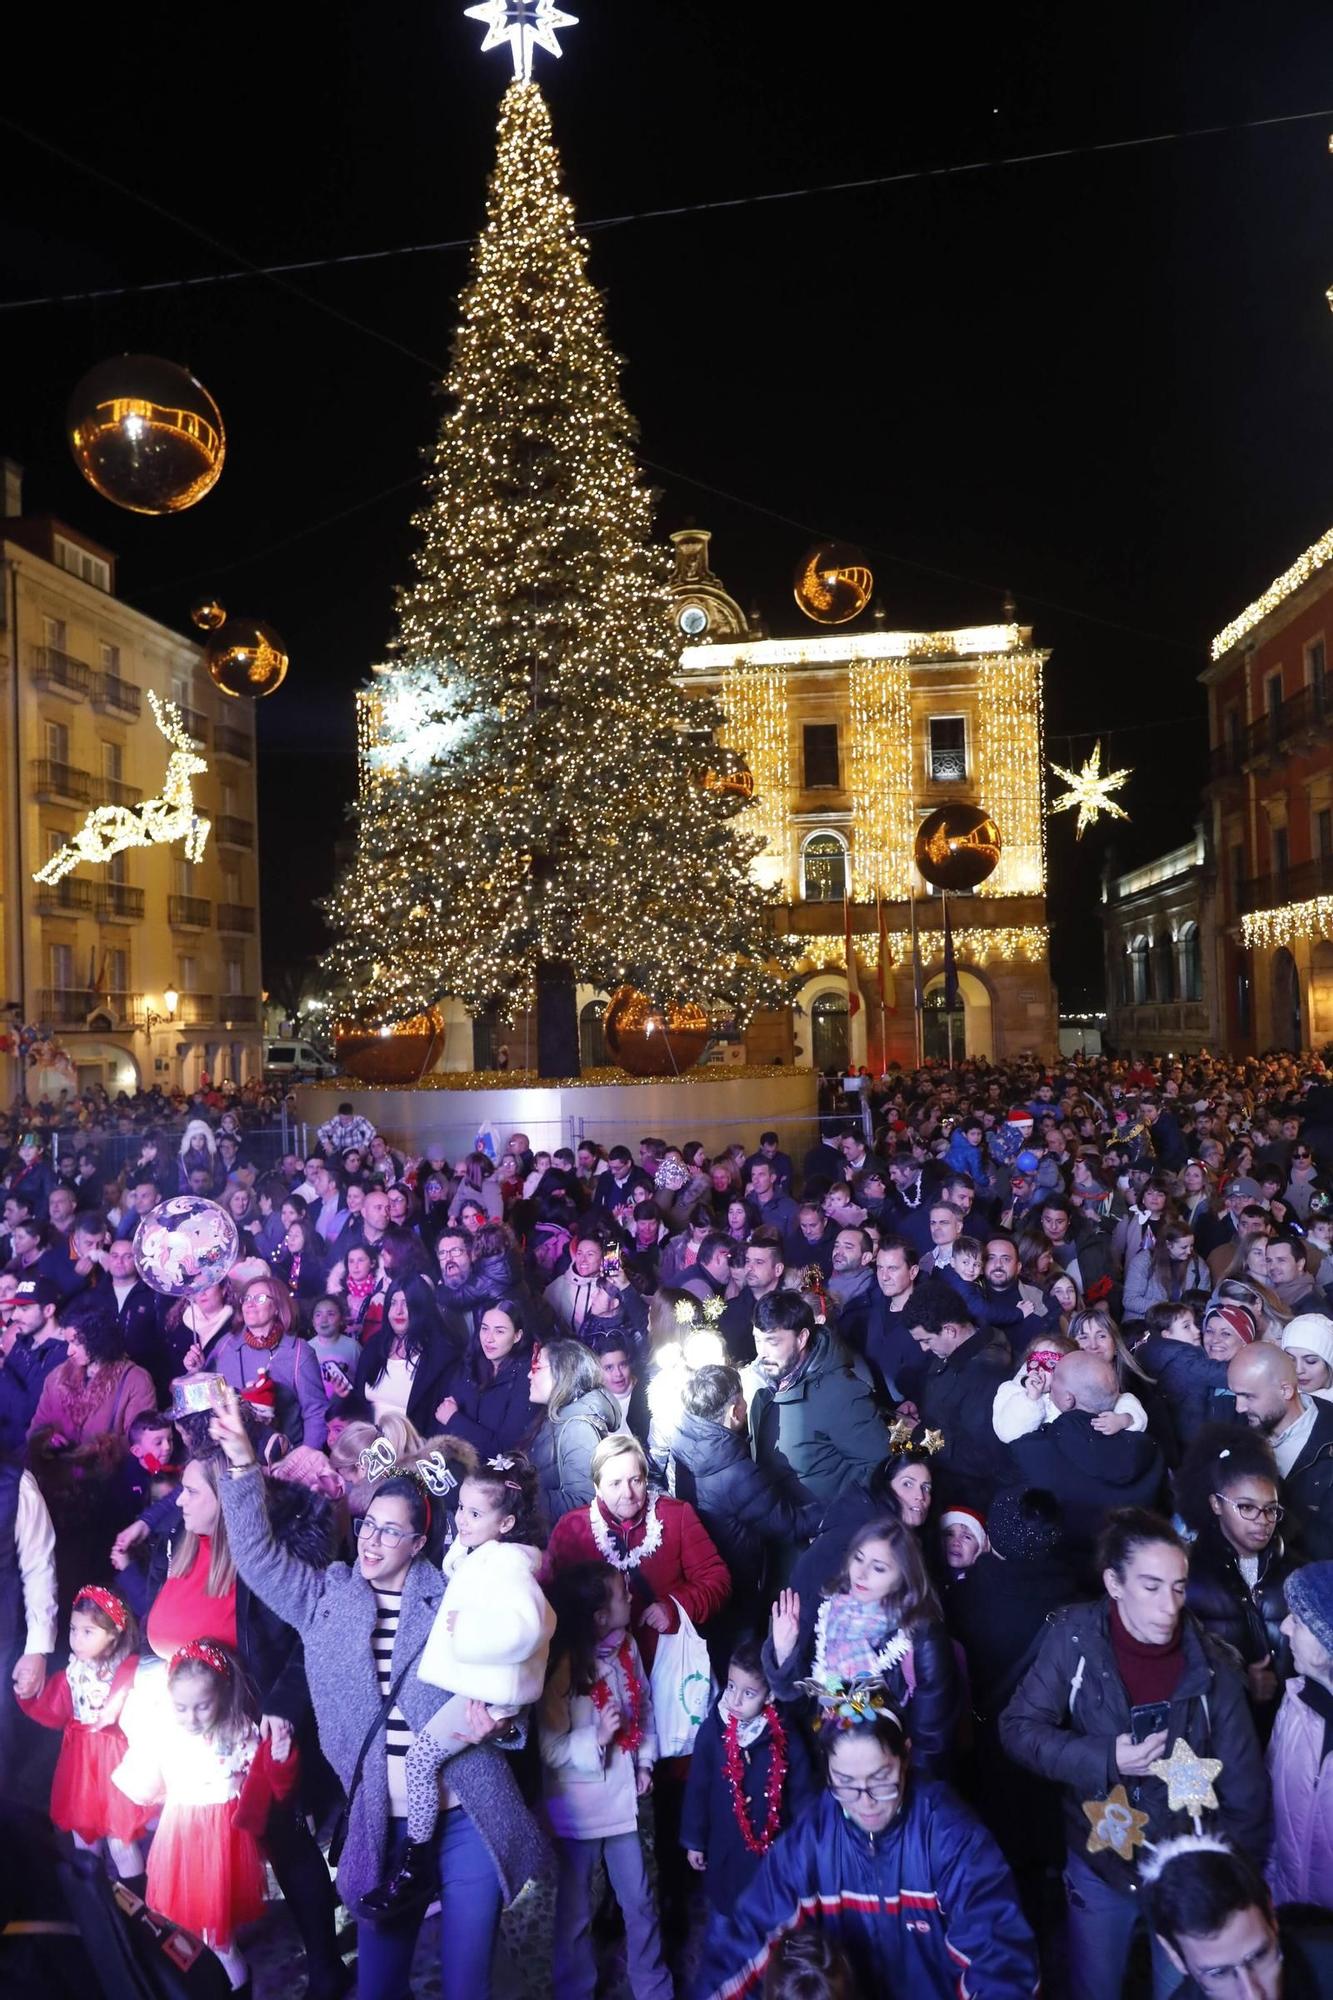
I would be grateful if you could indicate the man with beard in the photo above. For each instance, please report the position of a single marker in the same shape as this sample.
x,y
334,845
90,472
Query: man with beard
x,y
1300,1430
852,1285
813,1422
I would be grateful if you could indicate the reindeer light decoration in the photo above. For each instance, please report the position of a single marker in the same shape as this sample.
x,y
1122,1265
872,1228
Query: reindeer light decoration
x,y
169,816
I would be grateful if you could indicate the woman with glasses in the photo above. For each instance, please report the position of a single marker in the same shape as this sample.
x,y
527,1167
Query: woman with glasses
x,y
363,1628
1301,1178
893,1869
1113,1688
1227,1493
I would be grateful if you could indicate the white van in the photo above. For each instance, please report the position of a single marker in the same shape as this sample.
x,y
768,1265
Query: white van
x,y
296,1061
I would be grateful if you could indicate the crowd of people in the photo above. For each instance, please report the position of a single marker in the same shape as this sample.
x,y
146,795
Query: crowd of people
x,y
903,1568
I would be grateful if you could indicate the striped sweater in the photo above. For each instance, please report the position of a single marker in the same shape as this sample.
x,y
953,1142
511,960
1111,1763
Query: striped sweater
x,y
398,1734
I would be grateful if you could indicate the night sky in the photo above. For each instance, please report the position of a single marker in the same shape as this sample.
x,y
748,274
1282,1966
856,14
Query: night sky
x,y
1101,381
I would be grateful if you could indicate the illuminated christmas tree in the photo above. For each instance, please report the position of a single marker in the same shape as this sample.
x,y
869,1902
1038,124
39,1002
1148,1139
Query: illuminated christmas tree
x,y
534,803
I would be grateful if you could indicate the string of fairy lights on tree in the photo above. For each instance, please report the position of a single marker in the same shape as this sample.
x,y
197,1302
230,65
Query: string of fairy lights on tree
x,y
531,780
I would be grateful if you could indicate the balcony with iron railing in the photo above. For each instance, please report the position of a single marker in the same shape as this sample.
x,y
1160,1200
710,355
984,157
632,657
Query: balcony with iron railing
x,y
70,1006
113,696
1300,884
61,672
229,742
194,1010
120,794
56,783
65,898
238,1010
229,831
117,901
189,913
236,917
195,722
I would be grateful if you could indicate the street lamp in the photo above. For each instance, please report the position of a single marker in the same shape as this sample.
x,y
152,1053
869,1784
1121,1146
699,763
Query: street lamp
x,y
151,1017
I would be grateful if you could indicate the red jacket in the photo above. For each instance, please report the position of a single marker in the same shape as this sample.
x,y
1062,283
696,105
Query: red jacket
x,y
685,1566
54,1706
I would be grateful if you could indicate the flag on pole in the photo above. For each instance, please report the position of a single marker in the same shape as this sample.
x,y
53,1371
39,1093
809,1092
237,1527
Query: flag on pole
x,y
918,991
950,964
853,984
887,998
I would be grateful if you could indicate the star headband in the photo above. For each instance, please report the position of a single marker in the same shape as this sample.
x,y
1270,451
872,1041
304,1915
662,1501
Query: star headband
x,y
198,1652
107,1602
844,1704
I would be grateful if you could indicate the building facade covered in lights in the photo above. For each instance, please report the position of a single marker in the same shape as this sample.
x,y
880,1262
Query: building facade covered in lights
x,y
145,967
1270,732
852,737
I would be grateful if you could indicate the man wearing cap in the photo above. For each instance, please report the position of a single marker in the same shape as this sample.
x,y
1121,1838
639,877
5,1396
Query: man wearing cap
x,y
1216,1232
1300,1430
33,1347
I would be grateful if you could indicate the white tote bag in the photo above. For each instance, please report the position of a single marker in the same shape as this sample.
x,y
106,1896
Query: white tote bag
x,y
683,1687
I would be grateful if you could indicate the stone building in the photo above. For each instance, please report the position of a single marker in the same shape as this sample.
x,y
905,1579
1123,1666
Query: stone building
x,y
853,735
1164,955
1270,732
145,968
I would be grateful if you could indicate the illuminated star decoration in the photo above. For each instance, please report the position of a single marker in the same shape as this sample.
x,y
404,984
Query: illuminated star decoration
x,y
1188,1779
526,25
932,1442
1115,1824
1090,792
169,816
900,1434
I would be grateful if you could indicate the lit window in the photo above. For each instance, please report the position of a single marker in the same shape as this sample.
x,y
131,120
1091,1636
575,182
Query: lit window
x,y
824,868
948,749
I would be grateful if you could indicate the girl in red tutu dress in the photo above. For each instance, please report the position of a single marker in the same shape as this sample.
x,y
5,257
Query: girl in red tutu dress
x,y
85,1702
215,1782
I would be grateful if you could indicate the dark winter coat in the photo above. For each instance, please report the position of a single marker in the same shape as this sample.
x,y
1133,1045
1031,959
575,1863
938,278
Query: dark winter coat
x,y
896,1361
997,1611
492,1415
561,1448
743,1508
823,1430
1089,1473
927,1908
334,1612
1071,1705
708,1819
1248,1621
1308,1490
957,1398
930,1700
432,1379
1193,1388
140,1321
22,1377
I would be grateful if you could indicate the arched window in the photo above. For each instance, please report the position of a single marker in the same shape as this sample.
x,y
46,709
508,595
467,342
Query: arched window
x,y
829,1041
823,868
1164,967
1191,963
1138,971
592,1035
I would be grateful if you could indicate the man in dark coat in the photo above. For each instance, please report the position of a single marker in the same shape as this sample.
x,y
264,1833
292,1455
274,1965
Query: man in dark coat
x,y
34,1349
852,1286
813,1421
957,1396
897,1362
1089,1469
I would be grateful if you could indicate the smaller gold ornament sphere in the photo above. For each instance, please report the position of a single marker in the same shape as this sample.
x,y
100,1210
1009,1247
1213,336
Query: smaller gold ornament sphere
x,y
246,658
958,846
146,435
654,1041
208,614
832,583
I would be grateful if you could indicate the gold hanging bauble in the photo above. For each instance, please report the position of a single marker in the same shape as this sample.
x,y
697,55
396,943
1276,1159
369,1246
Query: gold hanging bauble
x,y
654,1041
390,1055
208,614
245,657
145,434
958,846
832,583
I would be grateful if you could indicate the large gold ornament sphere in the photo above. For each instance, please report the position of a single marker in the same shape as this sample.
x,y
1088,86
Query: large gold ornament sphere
x,y
245,657
208,614
958,846
146,435
398,1055
832,583
654,1041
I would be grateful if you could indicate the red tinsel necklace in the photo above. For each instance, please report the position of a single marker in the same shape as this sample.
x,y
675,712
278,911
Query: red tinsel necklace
x,y
758,1843
630,1733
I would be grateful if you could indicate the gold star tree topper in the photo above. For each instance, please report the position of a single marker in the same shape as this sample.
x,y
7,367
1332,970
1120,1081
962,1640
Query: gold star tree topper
x,y
1090,791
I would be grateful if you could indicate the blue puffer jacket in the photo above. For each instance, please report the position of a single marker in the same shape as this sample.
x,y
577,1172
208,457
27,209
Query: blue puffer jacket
x,y
927,1908
966,1159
